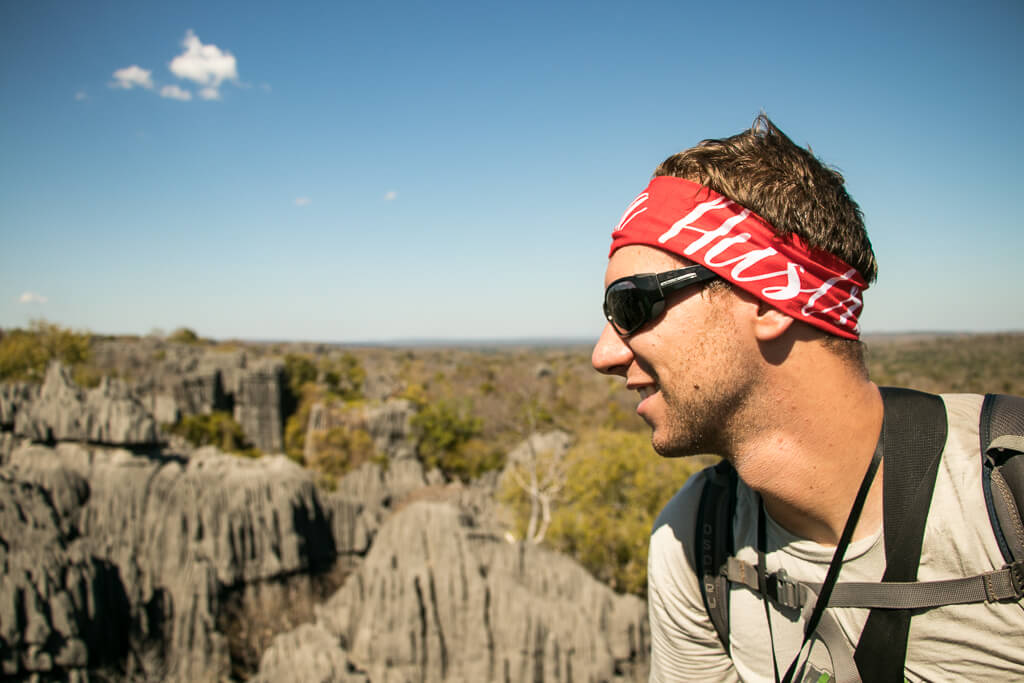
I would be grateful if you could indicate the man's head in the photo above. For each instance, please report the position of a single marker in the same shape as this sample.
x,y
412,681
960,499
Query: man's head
x,y
763,170
696,362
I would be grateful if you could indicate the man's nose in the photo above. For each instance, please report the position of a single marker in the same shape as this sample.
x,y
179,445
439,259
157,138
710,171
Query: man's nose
x,y
611,355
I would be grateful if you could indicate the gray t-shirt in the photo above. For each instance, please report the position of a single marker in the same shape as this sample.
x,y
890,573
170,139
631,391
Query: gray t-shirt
x,y
957,642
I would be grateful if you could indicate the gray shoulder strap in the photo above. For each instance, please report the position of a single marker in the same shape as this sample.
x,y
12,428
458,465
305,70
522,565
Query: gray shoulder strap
x,y
1006,584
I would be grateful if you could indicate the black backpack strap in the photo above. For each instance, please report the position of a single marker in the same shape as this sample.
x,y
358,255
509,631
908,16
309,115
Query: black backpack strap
x,y
714,543
1002,440
913,436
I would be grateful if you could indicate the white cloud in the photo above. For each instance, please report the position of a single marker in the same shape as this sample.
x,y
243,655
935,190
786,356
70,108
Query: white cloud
x,y
132,76
81,95
303,201
175,93
32,298
390,196
205,65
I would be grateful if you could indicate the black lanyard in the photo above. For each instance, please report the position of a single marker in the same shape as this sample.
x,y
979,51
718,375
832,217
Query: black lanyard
x,y
833,569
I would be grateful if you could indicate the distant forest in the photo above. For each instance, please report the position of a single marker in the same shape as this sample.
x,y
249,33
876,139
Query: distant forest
x,y
949,363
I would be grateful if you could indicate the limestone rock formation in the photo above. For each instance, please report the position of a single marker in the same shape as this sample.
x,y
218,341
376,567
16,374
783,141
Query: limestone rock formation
x,y
63,412
128,555
258,407
61,610
365,497
438,600
199,393
172,379
175,532
7,443
310,654
13,397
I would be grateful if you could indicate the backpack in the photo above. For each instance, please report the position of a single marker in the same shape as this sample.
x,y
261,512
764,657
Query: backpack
x,y
913,437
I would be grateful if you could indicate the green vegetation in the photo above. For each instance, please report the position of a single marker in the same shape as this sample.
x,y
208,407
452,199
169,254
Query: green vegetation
x,y
25,354
344,376
333,380
339,450
449,440
299,371
295,427
184,335
216,429
614,487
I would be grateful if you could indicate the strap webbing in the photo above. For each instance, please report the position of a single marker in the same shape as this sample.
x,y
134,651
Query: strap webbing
x,y
995,586
913,435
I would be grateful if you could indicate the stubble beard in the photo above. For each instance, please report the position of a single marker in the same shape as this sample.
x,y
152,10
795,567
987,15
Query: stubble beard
x,y
707,417
695,425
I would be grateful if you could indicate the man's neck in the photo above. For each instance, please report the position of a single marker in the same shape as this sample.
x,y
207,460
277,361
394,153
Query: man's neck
x,y
808,460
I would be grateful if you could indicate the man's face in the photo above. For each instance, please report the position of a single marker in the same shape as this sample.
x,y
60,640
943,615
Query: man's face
x,y
688,365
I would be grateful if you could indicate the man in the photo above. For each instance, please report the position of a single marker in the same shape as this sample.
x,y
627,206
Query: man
x,y
745,344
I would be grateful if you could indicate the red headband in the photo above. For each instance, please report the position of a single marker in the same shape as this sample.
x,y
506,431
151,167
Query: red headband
x,y
701,225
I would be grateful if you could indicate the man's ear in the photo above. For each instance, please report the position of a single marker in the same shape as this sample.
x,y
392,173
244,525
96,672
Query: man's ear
x,y
770,323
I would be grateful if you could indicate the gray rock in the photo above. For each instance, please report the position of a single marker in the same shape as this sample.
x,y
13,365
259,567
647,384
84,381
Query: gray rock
x,y
365,497
390,425
314,651
436,600
59,475
172,380
13,397
59,607
258,405
198,393
63,412
230,364
177,532
7,445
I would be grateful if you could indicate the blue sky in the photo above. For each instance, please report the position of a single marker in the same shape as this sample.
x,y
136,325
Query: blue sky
x,y
387,171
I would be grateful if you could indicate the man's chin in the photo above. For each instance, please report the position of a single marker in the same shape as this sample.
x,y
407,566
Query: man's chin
x,y
669,449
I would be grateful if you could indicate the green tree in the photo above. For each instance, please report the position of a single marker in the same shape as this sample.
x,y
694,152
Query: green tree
x,y
25,354
448,440
299,370
341,449
615,486
215,429
344,376
184,335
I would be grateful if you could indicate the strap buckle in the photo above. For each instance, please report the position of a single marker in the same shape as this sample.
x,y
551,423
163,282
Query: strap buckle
x,y
1016,572
783,591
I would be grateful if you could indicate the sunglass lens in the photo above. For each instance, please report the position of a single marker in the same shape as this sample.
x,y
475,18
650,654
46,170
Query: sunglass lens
x,y
625,306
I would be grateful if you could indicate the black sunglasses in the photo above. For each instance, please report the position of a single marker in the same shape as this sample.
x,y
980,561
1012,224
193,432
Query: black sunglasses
x,y
633,301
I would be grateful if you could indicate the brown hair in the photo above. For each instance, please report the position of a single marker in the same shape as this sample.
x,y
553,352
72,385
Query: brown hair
x,y
766,172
